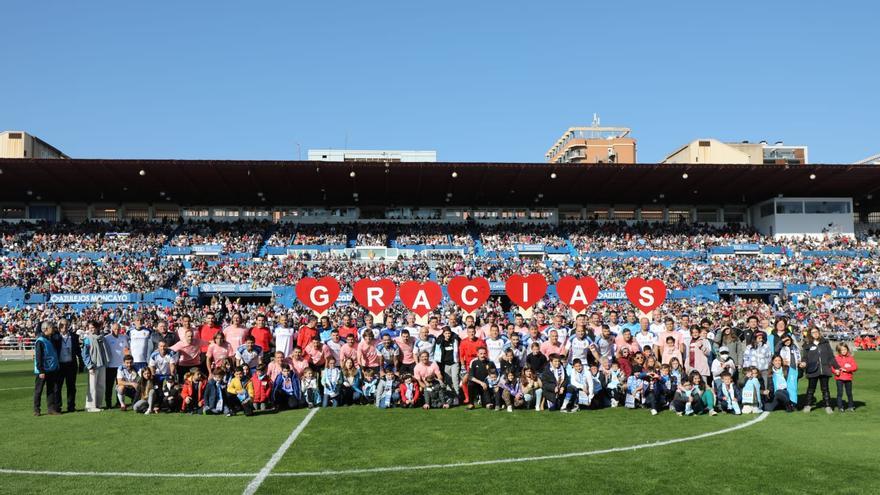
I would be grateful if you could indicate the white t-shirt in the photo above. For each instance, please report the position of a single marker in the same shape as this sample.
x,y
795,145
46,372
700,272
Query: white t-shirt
x,y
643,339
117,346
140,344
162,364
285,338
496,349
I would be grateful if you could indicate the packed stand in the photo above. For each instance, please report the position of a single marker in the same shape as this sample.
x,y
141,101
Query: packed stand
x,y
234,237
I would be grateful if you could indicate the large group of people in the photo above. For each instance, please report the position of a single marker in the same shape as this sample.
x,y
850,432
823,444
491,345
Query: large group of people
x,y
229,358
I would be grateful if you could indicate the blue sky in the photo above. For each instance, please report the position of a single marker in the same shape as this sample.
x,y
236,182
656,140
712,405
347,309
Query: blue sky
x,y
477,81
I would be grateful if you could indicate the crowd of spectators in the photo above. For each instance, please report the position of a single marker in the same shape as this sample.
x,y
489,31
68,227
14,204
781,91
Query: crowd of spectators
x,y
289,234
234,237
85,275
505,236
110,237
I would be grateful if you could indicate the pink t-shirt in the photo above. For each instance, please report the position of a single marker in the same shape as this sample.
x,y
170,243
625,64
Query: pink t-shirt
x,y
547,348
181,331
348,352
274,369
188,355
299,366
235,336
406,350
367,355
316,354
219,352
421,371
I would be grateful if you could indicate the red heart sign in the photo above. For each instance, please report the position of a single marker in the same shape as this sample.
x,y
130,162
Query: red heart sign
x,y
526,291
318,295
375,295
577,293
645,294
421,298
468,294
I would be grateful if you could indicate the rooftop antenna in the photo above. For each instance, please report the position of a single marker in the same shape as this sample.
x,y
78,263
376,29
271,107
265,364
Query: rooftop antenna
x,y
595,120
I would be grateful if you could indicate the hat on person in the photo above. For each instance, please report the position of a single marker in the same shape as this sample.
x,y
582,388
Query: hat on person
x,y
724,350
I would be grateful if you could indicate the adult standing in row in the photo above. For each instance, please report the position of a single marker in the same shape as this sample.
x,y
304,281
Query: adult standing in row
x,y
47,372
117,344
70,360
95,355
818,361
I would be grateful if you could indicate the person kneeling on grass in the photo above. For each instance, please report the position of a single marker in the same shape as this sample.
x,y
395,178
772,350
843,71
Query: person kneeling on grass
x,y
365,386
729,396
147,393
170,394
580,387
409,392
193,393
776,392
688,399
554,382
286,391
215,394
511,391
387,391
531,389
707,397
478,376
126,382
435,394
241,392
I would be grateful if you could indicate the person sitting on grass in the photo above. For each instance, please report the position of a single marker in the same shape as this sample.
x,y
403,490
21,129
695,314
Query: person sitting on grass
x,y
365,387
241,392
286,389
687,399
409,392
215,394
262,388
707,397
147,393
193,393
776,392
531,389
435,394
170,394
511,391
387,391
580,387
126,382
331,381
751,391
308,386
494,382
554,381
728,394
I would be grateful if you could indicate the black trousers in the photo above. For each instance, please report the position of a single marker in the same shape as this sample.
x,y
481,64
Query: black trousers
x,y
811,390
475,390
52,384
841,386
284,402
780,398
68,381
110,387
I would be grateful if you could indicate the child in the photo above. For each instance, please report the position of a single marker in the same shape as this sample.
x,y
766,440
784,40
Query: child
x,y
170,394
729,396
387,391
751,392
241,392
511,391
776,391
615,385
147,391
597,400
707,397
193,393
493,381
530,385
331,379
309,387
635,388
723,363
262,388
215,394
536,360
286,391
435,394
409,392
365,389
687,399
843,375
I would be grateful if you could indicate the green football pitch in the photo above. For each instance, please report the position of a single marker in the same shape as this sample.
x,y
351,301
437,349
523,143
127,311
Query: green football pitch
x,y
366,450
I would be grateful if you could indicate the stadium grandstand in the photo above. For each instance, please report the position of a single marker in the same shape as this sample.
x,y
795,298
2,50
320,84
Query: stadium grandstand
x,y
81,235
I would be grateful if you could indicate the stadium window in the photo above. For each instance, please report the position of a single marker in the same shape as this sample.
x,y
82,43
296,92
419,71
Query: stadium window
x,y
597,214
766,210
826,207
167,214
624,214
705,143
75,215
734,215
137,214
12,212
707,215
676,216
255,214
874,217
195,213
105,214
652,215
789,207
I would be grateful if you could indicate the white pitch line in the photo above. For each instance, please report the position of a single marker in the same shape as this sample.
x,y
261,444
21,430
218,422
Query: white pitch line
x,y
14,388
258,480
267,472
760,418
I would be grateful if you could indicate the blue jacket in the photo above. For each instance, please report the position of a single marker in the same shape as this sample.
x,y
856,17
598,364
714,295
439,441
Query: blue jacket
x,y
45,356
294,382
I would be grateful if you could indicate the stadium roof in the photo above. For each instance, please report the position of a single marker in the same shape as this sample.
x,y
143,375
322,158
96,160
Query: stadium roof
x,y
308,183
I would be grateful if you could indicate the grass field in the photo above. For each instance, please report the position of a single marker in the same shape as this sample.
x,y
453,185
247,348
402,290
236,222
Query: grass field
x,y
783,453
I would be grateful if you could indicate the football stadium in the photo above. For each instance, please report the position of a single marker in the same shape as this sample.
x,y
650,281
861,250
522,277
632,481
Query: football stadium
x,y
325,248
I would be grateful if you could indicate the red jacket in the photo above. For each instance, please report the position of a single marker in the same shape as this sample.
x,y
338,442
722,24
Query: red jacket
x,y
262,388
198,396
847,365
415,398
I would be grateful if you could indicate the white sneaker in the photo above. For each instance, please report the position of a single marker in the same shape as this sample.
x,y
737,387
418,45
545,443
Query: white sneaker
x,y
147,413
829,410
563,411
807,409
713,412
509,408
613,402
653,412
94,409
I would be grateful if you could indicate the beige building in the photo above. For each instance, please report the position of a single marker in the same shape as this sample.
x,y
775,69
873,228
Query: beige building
x,y
17,144
594,144
714,151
